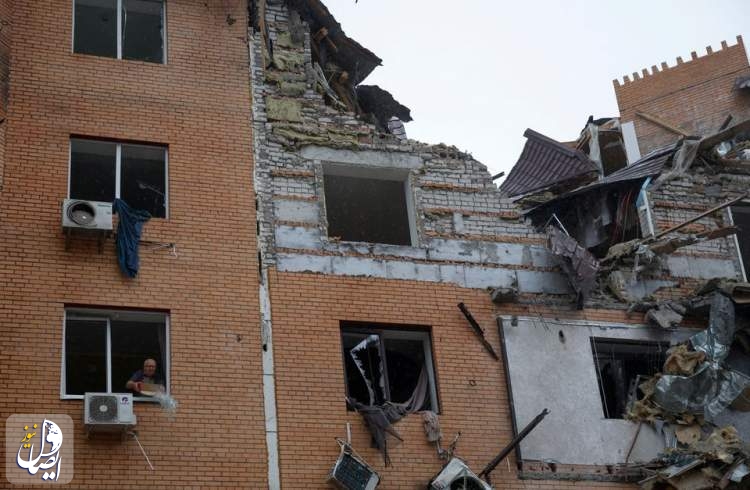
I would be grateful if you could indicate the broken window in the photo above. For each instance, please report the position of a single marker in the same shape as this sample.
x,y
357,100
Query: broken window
x,y
385,364
365,209
741,219
103,171
104,348
139,24
621,366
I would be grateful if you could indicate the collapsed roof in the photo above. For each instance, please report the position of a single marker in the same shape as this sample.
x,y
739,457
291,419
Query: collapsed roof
x,y
545,163
357,60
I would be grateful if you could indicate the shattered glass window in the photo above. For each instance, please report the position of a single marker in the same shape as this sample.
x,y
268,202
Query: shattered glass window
x,y
367,210
142,169
388,365
621,365
95,29
143,30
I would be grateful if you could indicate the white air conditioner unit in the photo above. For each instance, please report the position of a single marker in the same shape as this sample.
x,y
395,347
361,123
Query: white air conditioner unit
x,y
87,215
457,476
108,412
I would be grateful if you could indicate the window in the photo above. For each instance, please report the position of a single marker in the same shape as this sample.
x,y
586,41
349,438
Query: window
x,y
122,29
103,171
620,367
741,219
103,348
368,206
387,364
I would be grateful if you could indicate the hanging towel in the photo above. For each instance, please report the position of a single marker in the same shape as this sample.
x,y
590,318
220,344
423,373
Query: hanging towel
x,y
129,235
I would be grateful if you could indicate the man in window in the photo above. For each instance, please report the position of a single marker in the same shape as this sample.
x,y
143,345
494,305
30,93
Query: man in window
x,y
146,381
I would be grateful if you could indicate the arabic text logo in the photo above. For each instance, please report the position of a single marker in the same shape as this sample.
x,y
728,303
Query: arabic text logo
x,y
34,449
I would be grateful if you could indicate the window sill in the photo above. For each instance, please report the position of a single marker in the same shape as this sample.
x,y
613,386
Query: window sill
x,y
102,57
143,399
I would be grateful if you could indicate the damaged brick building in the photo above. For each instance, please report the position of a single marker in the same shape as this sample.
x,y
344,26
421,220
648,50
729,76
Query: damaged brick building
x,y
352,283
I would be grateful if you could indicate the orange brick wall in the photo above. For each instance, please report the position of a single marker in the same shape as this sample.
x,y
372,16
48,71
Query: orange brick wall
x,y
695,96
6,9
199,105
310,385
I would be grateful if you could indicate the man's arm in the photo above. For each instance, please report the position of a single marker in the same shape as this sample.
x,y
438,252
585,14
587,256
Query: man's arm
x,y
133,384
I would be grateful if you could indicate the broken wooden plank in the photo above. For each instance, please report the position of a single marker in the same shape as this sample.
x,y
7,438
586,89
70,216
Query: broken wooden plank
x,y
512,444
660,122
478,330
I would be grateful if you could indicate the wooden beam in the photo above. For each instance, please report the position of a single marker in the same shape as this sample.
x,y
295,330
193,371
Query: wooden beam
x,y
662,123
702,215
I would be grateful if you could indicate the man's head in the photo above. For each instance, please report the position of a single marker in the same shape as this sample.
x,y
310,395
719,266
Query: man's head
x,y
149,367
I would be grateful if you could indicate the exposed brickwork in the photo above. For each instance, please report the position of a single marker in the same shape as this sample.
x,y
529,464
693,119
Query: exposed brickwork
x,y
695,95
6,11
307,310
198,104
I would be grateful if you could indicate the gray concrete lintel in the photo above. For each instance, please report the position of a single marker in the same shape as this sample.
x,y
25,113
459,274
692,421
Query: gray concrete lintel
x,y
367,158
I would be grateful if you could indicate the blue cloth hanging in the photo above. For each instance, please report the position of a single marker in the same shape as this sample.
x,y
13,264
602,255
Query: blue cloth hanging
x,y
129,232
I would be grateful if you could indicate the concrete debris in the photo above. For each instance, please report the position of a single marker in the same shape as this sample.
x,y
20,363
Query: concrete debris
x,y
667,315
742,82
504,295
694,387
578,263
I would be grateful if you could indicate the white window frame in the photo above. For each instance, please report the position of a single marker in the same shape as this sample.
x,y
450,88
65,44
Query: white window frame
x,y
119,33
105,315
118,166
354,328
377,173
737,241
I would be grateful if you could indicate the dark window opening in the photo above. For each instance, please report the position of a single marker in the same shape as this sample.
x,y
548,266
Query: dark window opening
x,y
93,168
85,356
598,220
612,151
142,32
143,178
141,26
95,165
96,27
367,210
741,219
388,365
620,366
104,348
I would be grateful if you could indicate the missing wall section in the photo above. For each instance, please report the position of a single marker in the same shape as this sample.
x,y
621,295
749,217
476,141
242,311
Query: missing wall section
x,y
619,366
368,209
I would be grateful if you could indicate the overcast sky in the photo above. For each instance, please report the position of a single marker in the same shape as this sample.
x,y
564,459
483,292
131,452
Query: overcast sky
x,y
477,73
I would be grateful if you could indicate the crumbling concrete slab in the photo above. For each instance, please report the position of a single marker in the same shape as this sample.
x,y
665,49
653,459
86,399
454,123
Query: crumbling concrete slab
x,y
454,250
479,277
296,211
701,267
629,289
297,237
359,266
366,158
320,264
542,282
